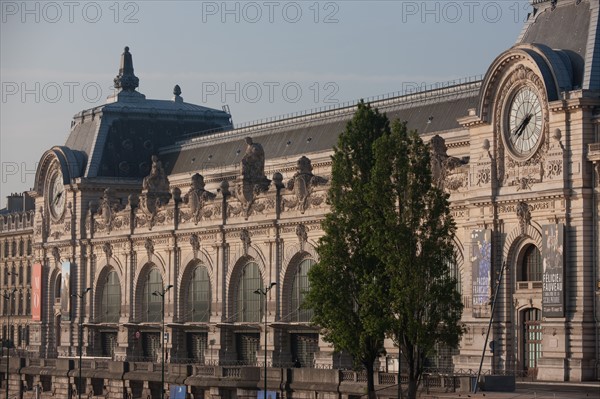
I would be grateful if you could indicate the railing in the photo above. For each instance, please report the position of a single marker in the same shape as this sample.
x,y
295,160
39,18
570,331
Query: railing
x,y
232,372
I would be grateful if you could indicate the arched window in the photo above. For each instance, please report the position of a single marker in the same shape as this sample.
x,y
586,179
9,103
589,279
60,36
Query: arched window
x,y
454,272
21,274
248,303
300,287
199,296
531,268
152,304
111,299
57,288
21,248
28,273
28,304
14,248
29,249
5,249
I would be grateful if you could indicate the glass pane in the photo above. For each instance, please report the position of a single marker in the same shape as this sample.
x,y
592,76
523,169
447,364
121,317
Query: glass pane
x,y
532,264
249,303
152,304
111,299
199,296
300,288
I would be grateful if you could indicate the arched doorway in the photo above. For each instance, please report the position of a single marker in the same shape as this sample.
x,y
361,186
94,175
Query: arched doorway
x,y
532,340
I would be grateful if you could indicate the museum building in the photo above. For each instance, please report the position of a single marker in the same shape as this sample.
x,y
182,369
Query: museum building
x,y
159,221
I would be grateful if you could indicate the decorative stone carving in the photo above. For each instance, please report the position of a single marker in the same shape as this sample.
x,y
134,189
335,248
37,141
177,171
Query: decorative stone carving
x,y
524,216
302,234
302,184
196,198
553,167
149,245
107,210
155,195
195,243
56,255
246,240
448,172
254,181
108,252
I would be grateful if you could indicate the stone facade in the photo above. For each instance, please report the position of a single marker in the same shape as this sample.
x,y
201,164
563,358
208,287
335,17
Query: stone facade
x,y
221,213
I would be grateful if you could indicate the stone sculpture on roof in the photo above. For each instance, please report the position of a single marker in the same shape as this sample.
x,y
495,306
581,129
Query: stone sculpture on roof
x,y
302,184
197,197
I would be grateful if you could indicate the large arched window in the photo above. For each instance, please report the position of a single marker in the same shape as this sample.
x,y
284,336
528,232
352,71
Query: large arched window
x,y
152,304
198,309
111,299
454,272
300,287
248,302
531,267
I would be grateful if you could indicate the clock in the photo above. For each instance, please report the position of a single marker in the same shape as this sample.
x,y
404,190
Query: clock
x,y
56,195
524,122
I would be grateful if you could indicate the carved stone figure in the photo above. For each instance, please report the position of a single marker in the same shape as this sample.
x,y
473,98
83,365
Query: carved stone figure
x,y
246,240
441,163
157,180
303,183
253,162
524,216
108,209
197,196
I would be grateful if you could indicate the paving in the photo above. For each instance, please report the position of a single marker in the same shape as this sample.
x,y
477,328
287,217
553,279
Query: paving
x,y
537,390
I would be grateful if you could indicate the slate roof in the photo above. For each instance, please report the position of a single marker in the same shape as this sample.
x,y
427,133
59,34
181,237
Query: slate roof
x,y
571,26
427,112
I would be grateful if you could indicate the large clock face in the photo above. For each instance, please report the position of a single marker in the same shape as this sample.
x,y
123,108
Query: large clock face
x,y
56,195
524,124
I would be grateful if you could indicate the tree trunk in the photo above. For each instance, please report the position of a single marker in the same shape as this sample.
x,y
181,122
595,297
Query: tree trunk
x,y
370,381
412,388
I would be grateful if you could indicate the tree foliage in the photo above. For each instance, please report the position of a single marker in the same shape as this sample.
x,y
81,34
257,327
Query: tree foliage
x,y
386,250
346,291
412,234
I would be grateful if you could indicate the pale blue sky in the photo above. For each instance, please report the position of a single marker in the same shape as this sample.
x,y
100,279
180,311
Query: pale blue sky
x,y
272,57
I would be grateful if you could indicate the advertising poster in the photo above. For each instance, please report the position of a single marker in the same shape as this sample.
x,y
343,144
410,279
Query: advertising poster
x,y
36,292
481,262
65,291
553,302
177,392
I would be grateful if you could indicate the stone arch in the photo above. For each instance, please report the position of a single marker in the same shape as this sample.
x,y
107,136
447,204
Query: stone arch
x,y
234,277
287,278
513,246
98,287
551,66
138,286
71,164
234,268
185,278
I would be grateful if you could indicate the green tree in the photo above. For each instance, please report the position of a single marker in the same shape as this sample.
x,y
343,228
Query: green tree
x,y
411,232
346,287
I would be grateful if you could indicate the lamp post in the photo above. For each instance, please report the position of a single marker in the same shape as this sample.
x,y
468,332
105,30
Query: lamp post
x,y
7,296
80,296
162,337
264,292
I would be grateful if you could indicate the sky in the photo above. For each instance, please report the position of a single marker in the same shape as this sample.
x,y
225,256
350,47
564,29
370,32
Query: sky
x,y
260,58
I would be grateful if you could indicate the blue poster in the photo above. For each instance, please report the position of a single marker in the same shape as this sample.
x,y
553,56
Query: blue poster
x,y
481,261
65,291
270,395
177,392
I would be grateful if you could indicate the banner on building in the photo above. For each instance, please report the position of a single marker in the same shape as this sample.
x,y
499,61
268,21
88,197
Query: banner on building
x,y
65,291
268,395
36,292
553,295
481,263
178,392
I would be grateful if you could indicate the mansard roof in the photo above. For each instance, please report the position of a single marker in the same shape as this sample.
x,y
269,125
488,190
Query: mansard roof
x,y
572,27
119,137
427,112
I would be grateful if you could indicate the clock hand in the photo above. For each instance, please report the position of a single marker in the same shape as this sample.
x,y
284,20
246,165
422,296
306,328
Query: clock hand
x,y
57,197
524,125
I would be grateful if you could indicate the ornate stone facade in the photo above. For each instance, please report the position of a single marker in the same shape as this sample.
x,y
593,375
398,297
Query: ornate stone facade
x,y
523,193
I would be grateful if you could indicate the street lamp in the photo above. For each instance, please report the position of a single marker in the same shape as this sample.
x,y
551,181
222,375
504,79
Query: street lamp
x,y
162,337
80,296
264,293
7,296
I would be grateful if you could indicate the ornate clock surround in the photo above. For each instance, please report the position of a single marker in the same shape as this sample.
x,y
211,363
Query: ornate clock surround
x,y
513,170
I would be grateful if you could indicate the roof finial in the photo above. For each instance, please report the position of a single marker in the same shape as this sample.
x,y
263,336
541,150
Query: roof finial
x,y
126,80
